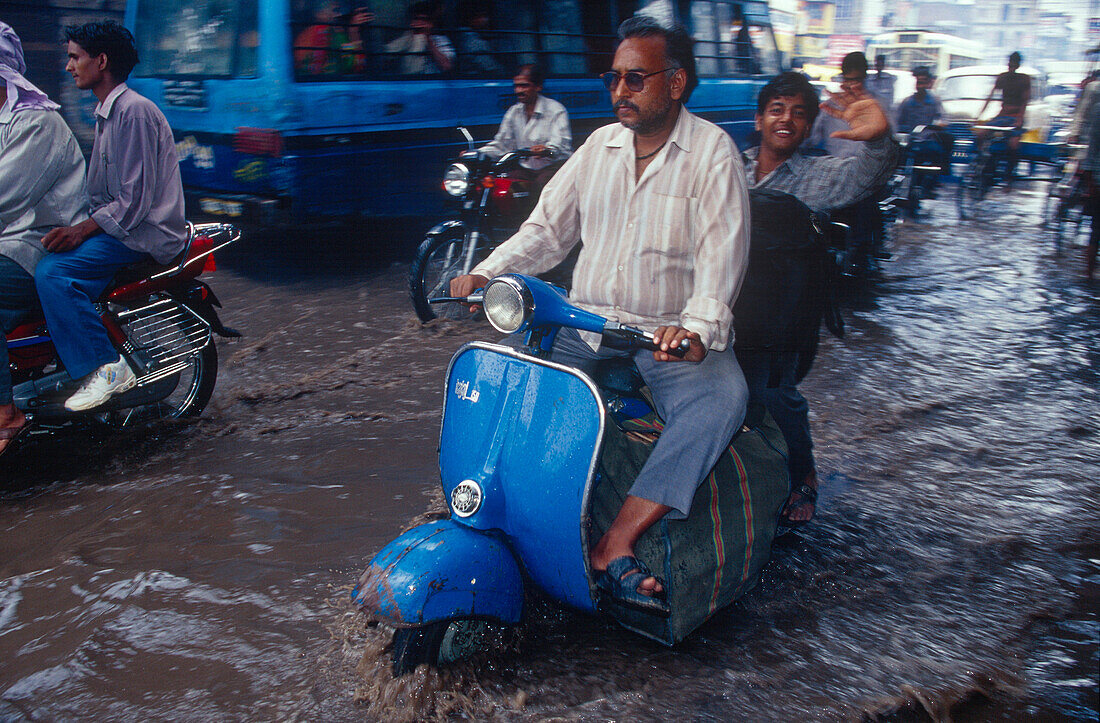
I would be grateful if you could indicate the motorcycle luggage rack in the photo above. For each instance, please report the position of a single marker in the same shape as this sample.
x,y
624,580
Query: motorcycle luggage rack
x,y
166,332
205,229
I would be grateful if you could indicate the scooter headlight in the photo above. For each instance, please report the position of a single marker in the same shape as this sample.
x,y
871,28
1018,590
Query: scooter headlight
x,y
456,179
507,303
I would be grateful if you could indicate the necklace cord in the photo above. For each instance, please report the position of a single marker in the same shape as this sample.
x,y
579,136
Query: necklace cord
x,y
651,154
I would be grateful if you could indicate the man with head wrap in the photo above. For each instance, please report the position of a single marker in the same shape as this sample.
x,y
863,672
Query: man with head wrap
x,y
41,188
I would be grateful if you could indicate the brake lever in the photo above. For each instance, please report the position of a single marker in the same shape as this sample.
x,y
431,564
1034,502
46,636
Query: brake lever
x,y
474,298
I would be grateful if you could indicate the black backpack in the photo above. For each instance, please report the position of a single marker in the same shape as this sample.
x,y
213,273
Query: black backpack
x,y
789,287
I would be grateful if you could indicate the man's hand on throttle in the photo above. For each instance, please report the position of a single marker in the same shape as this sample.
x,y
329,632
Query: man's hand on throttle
x,y
669,337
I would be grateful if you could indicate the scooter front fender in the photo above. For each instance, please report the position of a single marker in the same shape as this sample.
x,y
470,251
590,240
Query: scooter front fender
x,y
439,571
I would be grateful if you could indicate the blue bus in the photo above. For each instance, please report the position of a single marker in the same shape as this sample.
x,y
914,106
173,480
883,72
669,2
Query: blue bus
x,y
305,111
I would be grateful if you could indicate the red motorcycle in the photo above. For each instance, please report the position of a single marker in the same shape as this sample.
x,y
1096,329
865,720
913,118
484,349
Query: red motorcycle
x,y
161,319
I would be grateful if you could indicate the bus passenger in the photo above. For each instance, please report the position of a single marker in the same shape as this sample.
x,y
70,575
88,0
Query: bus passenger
x,y
475,53
42,187
329,46
535,122
785,112
660,202
137,212
422,50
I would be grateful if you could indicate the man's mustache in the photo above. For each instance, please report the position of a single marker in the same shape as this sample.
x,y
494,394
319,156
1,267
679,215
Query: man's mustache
x,y
626,104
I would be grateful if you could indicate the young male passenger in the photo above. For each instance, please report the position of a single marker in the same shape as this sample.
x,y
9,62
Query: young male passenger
x,y
785,112
422,50
137,211
535,122
661,204
41,188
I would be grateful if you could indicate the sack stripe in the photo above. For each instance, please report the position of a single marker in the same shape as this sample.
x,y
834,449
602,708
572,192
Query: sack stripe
x,y
746,495
716,536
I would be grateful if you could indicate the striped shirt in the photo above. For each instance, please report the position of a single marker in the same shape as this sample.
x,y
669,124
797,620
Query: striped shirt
x,y
667,249
548,126
827,183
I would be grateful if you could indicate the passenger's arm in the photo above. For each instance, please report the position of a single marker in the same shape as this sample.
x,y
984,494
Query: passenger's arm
x,y
722,248
443,53
504,141
549,233
30,163
561,137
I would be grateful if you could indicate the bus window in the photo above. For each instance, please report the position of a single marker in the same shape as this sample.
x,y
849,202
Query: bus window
x,y
728,43
335,39
204,38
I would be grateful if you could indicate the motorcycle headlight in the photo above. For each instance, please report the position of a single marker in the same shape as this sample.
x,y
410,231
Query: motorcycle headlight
x,y
456,179
507,304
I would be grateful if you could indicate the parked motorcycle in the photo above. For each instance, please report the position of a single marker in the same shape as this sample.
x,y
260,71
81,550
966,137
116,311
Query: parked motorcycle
x,y
161,319
494,200
535,460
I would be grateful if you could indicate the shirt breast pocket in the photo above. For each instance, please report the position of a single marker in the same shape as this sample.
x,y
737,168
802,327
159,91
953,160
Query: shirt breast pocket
x,y
111,176
670,246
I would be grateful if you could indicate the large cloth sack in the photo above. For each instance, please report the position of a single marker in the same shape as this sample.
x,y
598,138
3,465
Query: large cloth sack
x,y
713,556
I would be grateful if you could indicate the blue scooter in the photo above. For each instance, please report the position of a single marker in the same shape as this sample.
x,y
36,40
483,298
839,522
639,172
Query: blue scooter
x,y
535,460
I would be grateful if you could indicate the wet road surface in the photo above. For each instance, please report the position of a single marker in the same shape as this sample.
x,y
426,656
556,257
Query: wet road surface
x,y
202,570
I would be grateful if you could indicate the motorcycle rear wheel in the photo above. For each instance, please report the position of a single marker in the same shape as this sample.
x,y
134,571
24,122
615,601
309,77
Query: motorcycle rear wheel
x,y
439,259
194,387
438,644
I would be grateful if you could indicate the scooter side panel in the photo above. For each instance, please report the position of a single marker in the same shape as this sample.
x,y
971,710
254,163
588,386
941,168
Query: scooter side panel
x,y
439,571
527,432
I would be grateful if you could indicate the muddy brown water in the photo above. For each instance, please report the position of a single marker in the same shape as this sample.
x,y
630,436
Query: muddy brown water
x,y
201,571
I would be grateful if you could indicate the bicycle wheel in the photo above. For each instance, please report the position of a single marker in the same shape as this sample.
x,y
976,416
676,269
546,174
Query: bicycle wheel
x,y
971,189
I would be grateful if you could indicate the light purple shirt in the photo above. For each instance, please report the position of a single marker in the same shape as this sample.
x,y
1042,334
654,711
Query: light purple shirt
x,y
134,177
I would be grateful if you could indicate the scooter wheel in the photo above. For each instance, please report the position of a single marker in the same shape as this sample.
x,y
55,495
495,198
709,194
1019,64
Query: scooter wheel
x,y
439,644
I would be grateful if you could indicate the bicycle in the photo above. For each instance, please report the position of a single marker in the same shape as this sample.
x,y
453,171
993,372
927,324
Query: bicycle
x,y
1064,212
987,168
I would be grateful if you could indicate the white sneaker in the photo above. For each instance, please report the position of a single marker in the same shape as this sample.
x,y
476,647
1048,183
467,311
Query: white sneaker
x,y
102,384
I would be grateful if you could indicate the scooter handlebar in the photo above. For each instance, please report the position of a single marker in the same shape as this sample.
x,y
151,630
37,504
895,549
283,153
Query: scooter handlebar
x,y
642,340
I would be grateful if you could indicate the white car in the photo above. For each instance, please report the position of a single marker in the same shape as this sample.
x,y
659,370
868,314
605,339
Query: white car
x,y
963,91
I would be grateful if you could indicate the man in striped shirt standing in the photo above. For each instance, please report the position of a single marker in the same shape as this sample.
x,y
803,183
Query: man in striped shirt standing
x,y
660,200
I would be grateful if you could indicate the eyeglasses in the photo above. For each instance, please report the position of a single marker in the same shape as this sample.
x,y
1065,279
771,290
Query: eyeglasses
x,y
635,81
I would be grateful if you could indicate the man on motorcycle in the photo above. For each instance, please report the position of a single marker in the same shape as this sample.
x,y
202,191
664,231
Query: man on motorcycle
x,y
535,122
661,204
41,187
932,144
785,113
137,212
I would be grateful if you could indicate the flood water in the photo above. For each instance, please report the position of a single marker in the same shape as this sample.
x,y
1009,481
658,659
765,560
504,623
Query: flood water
x,y
202,570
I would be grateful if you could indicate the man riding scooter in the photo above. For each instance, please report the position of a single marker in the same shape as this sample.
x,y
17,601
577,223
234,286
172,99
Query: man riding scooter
x,y
661,203
42,187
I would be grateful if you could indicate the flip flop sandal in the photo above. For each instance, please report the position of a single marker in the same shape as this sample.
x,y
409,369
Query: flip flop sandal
x,y
12,434
808,496
623,588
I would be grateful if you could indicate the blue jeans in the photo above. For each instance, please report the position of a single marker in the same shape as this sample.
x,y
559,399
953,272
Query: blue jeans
x,y
17,300
69,284
702,405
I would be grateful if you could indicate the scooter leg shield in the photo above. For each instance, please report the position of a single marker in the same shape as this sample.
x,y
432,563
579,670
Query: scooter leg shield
x,y
440,571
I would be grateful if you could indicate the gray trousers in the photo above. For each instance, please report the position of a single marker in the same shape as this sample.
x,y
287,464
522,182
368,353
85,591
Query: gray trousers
x,y
702,404
17,300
